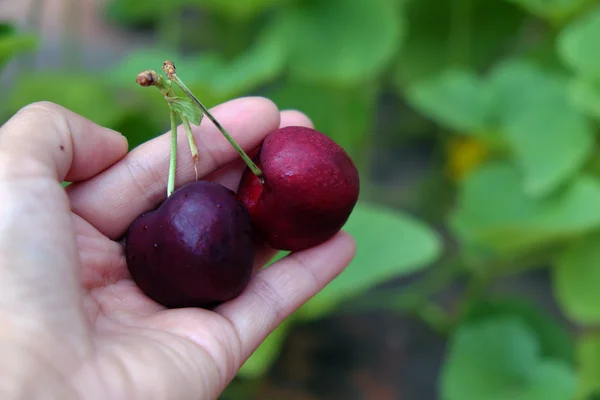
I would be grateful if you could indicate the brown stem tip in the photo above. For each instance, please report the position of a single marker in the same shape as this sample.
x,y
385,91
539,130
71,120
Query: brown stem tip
x,y
169,68
147,78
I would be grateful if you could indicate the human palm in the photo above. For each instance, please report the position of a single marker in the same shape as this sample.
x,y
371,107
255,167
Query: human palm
x,y
74,323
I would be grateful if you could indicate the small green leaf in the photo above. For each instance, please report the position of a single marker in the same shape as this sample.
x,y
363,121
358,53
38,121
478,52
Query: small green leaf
x,y
578,44
266,353
499,358
494,211
576,279
188,109
516,84
341,41
389,244
553,338
551,146
550,138
456,98
588,360
584,94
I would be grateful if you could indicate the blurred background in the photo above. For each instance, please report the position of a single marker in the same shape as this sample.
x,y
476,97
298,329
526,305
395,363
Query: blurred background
x,y
474,124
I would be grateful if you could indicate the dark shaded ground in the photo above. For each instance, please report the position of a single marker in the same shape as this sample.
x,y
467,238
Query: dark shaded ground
x,y
354,357
377,355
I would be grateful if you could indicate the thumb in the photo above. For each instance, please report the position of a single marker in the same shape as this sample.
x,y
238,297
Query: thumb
x,y
40,146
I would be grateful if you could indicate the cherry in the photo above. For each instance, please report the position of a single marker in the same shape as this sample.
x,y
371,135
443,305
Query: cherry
x,y
310,188
195,250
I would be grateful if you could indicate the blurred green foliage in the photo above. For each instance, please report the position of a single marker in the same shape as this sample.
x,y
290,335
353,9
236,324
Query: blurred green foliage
x,y
13,42
515,82
512,368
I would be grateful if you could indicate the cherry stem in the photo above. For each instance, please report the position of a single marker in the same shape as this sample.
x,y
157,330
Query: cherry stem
x,y
151,78
191,141
173,163
169,69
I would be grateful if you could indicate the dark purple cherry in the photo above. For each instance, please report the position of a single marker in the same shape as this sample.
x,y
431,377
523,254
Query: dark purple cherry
x,y
195,250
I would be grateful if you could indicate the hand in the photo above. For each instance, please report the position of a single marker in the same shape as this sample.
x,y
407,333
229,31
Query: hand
x,y
72,322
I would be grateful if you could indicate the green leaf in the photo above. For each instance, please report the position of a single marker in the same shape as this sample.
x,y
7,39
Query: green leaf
x,y
83,94
499,359
342,41
13,42
456,98
553,338
554,10
266,353
494,211
550,138
584,94
551,146
578,44
576,279
389,244
588,360
188,109
344,114
434,44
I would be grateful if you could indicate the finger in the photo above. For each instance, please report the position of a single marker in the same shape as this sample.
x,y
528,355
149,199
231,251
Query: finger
x,y
102,260
295,118
276,292
67,146
40,146
137,183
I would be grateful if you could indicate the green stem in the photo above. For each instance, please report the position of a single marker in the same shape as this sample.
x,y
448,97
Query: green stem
x,y
173,164
191,141
169,69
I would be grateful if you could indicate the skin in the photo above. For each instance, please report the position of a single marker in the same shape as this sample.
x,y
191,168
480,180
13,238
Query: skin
x,y
72,323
